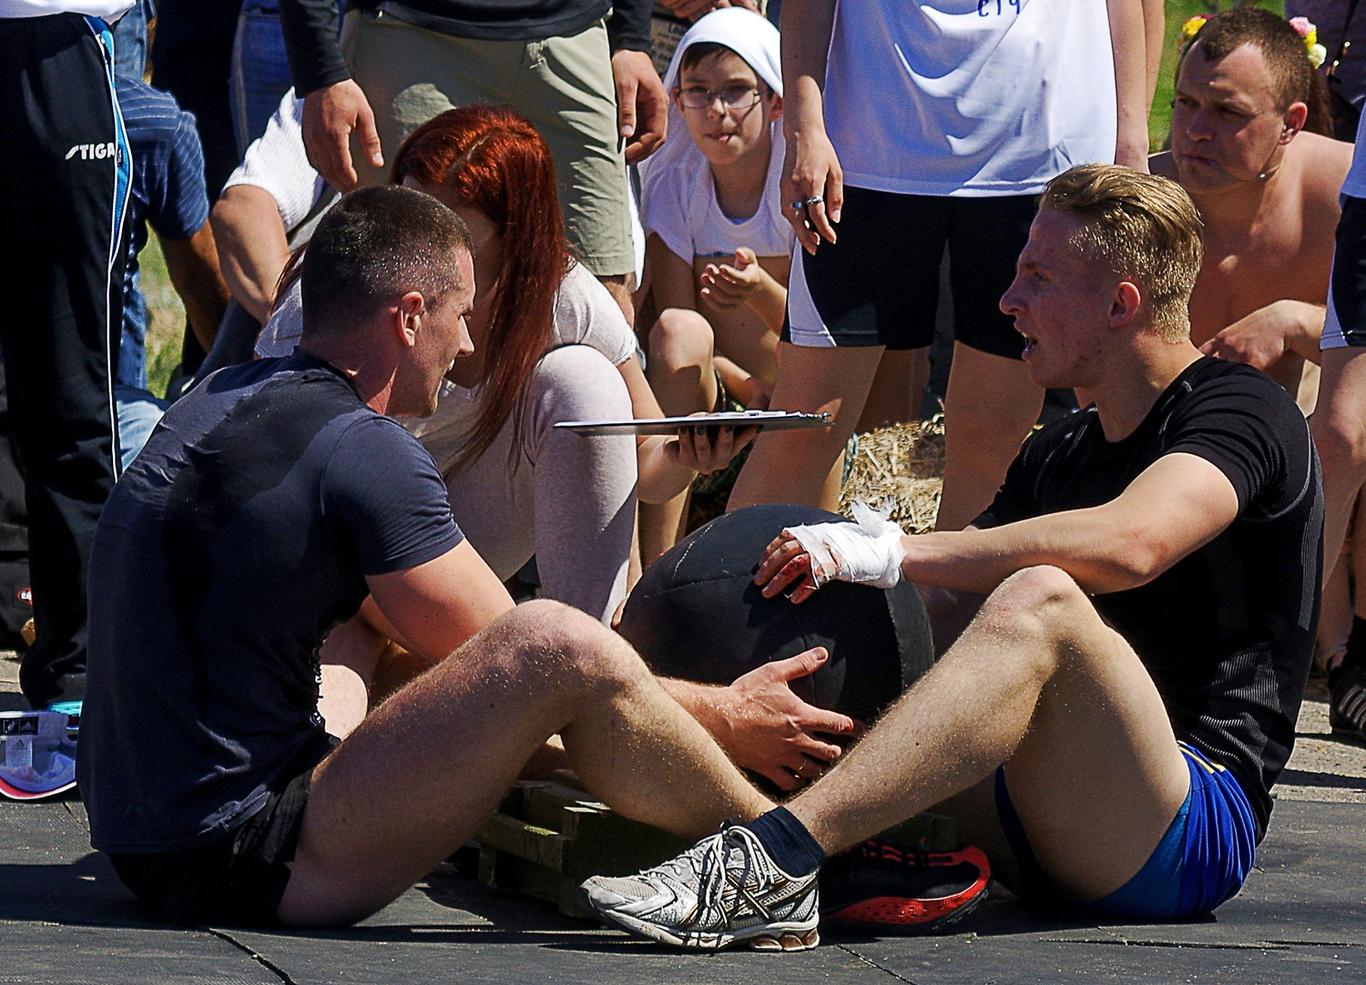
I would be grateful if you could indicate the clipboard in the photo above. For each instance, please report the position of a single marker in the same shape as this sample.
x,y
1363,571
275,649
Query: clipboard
x,y
773,420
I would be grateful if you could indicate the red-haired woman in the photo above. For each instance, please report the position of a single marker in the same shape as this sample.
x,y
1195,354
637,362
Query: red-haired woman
x,y
550,344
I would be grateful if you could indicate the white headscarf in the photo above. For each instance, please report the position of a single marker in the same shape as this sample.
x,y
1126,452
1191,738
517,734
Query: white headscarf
x,y
749,35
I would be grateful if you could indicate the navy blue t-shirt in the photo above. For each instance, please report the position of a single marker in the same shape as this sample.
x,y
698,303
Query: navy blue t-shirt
x,y
238,538
1226,633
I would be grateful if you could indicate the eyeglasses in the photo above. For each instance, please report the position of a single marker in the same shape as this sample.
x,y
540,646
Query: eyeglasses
x,y
732,97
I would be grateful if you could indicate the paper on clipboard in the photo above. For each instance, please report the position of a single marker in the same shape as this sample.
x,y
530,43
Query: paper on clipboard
x,y
773,420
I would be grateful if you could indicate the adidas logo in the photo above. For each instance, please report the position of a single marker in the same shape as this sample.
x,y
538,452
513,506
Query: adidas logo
x,y
92,152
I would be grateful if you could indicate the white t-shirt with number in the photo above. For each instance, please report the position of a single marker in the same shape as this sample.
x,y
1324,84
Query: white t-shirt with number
x,y
110,10
969,97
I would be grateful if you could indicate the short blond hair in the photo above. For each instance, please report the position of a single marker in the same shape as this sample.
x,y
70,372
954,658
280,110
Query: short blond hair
x,y
1142,228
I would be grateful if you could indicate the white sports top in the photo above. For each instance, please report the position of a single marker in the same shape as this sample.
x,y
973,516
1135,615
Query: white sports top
x,y
969,97
679,205
277,163
107,9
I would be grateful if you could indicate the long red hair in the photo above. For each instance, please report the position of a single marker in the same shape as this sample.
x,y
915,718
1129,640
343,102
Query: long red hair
x,y
494,160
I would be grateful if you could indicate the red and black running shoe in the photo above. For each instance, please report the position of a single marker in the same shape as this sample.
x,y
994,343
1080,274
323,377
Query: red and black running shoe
x,y
886,888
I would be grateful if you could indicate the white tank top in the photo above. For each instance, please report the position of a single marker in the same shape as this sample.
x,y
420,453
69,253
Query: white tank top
x,y
678,204
969,97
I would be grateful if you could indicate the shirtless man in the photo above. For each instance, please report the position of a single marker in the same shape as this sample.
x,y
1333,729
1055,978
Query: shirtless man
x,y
1247,147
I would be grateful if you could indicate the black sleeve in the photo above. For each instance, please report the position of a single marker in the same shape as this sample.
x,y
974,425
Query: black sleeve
x,y
1247,427
310,29
629,26
384,488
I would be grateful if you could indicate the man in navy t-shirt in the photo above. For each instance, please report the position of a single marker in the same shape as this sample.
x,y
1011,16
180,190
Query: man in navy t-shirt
x,y
265,508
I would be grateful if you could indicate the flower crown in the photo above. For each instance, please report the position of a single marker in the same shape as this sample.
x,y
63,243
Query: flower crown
x,y
1302,25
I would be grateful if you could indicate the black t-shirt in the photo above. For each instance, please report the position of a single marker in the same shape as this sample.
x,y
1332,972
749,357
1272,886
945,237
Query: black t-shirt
x,y
241,534
1227,633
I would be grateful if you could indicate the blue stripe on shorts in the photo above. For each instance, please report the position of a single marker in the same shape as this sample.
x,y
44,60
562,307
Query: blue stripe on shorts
x,y
1201,861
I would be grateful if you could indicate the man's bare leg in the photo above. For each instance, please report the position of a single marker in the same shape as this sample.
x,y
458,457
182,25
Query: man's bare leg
x,y
804,466
429,765
988,410
1040,683
1339,429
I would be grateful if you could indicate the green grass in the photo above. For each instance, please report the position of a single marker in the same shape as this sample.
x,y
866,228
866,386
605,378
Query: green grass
x,y
167,316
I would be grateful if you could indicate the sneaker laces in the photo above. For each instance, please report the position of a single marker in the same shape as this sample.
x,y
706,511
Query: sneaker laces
x,y
714,874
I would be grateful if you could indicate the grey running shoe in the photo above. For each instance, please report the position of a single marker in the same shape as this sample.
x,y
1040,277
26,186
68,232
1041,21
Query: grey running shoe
x,y
723,891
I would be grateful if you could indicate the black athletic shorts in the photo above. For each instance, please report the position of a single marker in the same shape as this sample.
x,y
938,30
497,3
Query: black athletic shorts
x,y
237,879
1345,324
879,285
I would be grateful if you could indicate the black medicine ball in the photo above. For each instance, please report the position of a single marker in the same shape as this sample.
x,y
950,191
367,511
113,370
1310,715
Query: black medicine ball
x,y
697,615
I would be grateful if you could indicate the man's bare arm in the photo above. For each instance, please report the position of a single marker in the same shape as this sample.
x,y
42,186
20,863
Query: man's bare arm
x,y
763,726
252,247
332,115
193,266
1263,337
1133,94
435,607
1175,506
335,108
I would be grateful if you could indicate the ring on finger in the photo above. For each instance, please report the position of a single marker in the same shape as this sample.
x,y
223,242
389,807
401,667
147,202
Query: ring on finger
x,y
814,200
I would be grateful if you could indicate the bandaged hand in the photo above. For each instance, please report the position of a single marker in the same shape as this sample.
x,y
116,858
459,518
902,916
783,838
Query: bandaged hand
x,y
866,552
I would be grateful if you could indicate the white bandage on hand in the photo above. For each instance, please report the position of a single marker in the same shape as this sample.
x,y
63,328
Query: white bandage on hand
x,y
866,552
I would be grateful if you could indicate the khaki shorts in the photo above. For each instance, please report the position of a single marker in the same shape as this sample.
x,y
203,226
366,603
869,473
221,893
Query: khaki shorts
x,y
563,85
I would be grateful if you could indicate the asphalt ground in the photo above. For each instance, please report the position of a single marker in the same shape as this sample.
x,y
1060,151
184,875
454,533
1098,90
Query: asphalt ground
x,y
1301,918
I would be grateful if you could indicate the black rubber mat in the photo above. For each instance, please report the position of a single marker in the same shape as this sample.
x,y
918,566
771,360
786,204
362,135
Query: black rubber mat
x,y
1301,919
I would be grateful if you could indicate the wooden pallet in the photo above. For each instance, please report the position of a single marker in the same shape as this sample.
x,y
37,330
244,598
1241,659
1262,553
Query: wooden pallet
x,y
549,836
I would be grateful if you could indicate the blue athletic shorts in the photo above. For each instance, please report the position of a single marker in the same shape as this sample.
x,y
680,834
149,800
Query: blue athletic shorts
x,y
1202,860
1345,320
